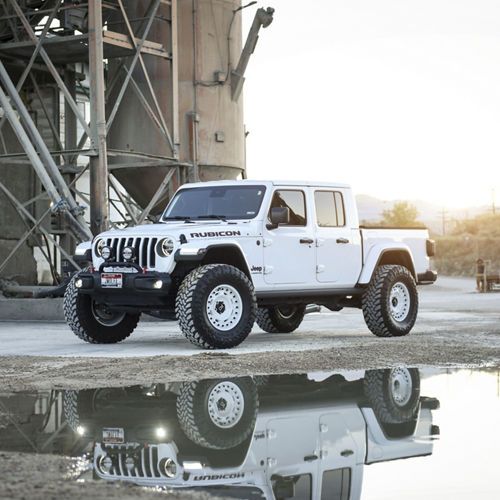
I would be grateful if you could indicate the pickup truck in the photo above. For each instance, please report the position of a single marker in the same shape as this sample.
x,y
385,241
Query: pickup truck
x,y
305,436
226,254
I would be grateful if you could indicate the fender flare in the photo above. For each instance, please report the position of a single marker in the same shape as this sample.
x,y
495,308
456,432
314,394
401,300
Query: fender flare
x,y
375,257
198,254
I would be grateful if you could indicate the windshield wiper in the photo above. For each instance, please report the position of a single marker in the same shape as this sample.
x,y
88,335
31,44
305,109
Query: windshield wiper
x,y
185,218
212,216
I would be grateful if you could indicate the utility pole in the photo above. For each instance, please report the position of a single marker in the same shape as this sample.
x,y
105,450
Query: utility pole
x,y
444,213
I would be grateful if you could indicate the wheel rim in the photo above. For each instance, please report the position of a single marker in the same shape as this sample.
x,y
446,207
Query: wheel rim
x,y
401,386
106,317
399,301
285,312
224,307
225,405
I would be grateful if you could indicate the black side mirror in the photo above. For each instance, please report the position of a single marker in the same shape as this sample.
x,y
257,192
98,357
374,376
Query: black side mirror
x,y
279,215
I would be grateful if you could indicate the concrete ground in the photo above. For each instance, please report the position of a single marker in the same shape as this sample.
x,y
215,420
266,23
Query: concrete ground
x,y
456,326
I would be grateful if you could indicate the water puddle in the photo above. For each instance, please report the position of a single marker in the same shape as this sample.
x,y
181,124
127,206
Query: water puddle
x,y
378,434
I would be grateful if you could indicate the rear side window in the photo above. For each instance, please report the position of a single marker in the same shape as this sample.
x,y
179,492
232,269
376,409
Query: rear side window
x,y
295,201
336,484
329,208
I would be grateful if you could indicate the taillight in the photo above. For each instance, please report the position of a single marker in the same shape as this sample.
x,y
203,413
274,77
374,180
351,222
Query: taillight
x,y
430,246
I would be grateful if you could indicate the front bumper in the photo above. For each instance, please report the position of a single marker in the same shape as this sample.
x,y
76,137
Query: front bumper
x,y
136,291
427,278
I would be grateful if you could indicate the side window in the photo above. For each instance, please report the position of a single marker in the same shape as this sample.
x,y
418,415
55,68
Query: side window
x,y
293,487
329,208
336,484
295,201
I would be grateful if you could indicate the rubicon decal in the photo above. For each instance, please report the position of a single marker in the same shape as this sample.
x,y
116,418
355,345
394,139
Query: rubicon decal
x,y
235,475
213,234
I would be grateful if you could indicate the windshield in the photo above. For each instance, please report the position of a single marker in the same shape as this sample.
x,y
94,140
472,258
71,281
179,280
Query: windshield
x,y
216,202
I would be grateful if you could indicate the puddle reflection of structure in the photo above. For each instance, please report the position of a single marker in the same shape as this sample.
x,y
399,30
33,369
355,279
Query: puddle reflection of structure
x,y
292,436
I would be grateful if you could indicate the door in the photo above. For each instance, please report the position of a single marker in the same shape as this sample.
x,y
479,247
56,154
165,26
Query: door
x,y
289,249
338,246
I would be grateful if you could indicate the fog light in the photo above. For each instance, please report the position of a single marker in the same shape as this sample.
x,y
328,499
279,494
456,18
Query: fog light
x,y
161,432
158,284
78,283
80,430
128,253
106,252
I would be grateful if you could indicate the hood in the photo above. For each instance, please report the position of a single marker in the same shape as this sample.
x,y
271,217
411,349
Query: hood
x,y
177,228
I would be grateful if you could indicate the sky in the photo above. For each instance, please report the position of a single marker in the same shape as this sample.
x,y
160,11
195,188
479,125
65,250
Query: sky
x,y
399,98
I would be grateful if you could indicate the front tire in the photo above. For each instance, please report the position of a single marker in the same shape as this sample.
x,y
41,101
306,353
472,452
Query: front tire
x,y
390,303
93,322
280,319
218,414
216,306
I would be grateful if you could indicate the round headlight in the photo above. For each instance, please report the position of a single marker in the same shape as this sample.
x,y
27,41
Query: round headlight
x,y
106,252
165,247
104,464
169,467
128,253
98,246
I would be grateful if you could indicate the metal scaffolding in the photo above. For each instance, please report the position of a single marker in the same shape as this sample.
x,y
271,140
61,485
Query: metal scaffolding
x,y
72,46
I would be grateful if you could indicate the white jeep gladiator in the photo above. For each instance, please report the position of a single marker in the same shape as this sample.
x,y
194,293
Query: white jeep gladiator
x,y
226,254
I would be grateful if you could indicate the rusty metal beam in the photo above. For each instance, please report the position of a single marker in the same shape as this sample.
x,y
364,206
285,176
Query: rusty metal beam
x,y
156,197
99,203
50,65
118,101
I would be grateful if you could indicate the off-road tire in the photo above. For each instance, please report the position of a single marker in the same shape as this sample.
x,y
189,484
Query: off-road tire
x,y
376,301
271,319
191,306
194,417
378,390
77,308
77,406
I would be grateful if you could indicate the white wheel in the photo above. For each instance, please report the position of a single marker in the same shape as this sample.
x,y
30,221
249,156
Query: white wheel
x,y
401,386
224,307
399,301
225,405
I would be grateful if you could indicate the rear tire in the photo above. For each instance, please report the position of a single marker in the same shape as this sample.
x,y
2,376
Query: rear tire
x,y
390,303
280,319
93,322
394,394
216,306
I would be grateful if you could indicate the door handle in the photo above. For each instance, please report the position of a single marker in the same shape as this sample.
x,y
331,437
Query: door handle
x,y
346,453
310,458
342,240
307,241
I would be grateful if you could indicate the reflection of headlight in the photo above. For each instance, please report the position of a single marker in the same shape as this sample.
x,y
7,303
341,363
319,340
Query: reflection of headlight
x,y
165,247
161,432
104,464
98,246
168,467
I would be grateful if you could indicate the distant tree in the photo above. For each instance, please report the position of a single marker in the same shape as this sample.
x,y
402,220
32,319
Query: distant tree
x,y
401,214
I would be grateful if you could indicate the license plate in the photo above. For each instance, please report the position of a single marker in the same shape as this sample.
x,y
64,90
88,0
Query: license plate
x,y
113,435
111,280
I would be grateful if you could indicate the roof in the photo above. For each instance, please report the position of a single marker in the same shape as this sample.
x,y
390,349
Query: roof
x,y
269,183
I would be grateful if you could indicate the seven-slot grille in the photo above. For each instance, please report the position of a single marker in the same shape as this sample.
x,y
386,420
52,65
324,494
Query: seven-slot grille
x,y
145,254
145,462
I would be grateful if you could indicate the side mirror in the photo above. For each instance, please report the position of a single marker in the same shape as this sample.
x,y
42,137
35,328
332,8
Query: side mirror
x,y
279,215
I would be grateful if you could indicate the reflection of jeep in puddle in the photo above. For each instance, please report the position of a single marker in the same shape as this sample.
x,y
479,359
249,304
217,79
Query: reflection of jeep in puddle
x,y
269,437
